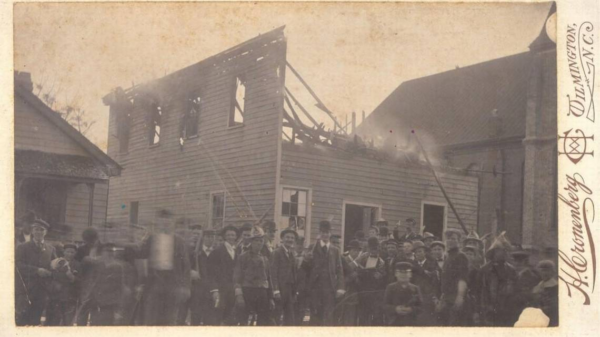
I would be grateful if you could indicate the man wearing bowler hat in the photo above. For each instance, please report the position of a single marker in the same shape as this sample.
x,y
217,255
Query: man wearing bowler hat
x,y
284,276
326,281
33,271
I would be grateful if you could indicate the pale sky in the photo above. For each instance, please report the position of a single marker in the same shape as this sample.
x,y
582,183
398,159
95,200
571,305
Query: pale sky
x,y
352,55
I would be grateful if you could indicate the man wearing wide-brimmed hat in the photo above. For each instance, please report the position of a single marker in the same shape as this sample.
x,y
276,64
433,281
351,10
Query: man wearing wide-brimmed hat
x,y
252,280
453,282
498,280
33,260
326,280
284,275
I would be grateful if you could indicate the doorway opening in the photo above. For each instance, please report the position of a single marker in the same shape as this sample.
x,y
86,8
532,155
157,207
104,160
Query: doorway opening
x,y
434,219
358,217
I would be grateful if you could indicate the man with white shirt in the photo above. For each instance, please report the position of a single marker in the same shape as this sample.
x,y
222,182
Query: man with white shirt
x,y
371,285
221,263
326,281
284,276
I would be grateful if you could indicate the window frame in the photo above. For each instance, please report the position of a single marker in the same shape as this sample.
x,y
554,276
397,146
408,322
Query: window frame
x,y
211,205
308,216
190,105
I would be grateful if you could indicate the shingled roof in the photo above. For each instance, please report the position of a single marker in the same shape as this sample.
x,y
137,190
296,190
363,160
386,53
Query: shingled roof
x,y
479,102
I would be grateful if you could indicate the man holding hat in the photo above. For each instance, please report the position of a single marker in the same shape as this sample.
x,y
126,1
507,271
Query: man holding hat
x,y
65,282
33,260
252,280
453,282
402,299
326,280
371,284
284,276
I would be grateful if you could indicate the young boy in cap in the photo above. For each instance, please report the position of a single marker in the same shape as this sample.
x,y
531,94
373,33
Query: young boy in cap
x,y
402,299
64,290
284,274
252,280
326,280
33,260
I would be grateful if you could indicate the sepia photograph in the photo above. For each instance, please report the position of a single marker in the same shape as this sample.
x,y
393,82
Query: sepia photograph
x,y
286,164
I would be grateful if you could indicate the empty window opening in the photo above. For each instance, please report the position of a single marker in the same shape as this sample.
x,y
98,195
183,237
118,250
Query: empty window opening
x,y
236,116
217,210
191,117
154,131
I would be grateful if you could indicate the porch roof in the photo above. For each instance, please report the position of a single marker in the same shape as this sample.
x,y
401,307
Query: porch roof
x,y
61,165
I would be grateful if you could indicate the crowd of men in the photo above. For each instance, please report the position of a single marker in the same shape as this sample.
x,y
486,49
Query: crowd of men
x,y
240,276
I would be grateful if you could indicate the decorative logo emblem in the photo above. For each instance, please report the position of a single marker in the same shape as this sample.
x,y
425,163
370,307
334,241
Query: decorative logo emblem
x,y
575,147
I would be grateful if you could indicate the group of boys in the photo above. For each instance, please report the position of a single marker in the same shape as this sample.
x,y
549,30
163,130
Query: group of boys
x,y
240,276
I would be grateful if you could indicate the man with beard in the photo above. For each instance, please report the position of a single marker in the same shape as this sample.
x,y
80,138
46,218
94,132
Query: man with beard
x,y
284,276
168,283
498,279
33,260
453,282
221,264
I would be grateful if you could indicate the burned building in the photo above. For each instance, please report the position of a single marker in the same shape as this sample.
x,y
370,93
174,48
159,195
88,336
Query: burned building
x,y
496,119
59,174
222,142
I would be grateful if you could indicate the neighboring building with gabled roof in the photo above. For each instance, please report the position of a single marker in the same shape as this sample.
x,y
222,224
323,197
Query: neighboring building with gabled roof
x,y
496,119
59,174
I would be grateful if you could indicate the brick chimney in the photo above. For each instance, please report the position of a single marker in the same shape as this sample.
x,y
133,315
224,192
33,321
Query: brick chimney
x,y
23,79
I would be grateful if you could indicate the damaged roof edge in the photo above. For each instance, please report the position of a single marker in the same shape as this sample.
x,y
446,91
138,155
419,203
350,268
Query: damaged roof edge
x,y
270,35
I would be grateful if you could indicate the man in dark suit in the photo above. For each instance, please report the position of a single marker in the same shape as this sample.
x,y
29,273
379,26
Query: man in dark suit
x,y
221,264
326,281
168,283
202,304
33,271
424,275
371,285
284,276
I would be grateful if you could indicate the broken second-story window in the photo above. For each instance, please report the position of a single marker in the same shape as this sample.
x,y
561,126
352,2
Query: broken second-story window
x,y
189,127
155,114
236,113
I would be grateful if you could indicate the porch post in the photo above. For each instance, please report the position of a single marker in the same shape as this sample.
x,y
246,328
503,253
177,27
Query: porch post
x,y
91,187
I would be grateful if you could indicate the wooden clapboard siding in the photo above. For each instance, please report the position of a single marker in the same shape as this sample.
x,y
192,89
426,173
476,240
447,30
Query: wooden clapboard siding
x,y
77,207
335,177
34,132
240,160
